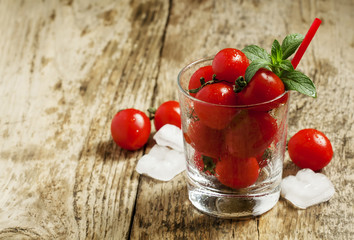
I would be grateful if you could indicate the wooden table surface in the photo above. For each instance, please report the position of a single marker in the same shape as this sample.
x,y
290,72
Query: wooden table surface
x,y
66,67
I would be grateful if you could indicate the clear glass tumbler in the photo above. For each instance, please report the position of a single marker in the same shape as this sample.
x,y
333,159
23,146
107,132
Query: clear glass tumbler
x,y
234,153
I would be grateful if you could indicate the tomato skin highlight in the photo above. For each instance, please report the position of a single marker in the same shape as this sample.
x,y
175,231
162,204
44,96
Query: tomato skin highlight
x,y
130,129
237,173
310,148
230,63
168,113
205,72
250,133
217,117
264,86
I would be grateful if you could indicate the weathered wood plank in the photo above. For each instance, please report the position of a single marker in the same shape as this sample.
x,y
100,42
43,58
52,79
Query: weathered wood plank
x,y
329,65
199,29
77,64
68,66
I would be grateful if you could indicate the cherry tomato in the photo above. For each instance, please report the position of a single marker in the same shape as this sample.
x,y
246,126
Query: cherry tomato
x,y
310,148
229,63
212,115
205,72
206,140
250,133
263,87
130,129
168,113
237,173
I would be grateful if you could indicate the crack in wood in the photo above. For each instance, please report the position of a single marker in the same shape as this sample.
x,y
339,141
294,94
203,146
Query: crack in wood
x,y
7,232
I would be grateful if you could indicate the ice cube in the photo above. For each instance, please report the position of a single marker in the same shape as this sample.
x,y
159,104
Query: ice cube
x,y
170,136
162,163
307,188
157,150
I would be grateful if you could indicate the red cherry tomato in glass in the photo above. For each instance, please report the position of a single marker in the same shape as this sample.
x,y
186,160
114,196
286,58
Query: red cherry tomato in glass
x,y
168,113
237,173
250,133
264,86
213,115
229,63
310,148
206,140
130,129
205,72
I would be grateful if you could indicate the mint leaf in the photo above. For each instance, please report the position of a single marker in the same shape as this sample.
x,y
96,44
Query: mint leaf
x,y
254,67
277,54
290,44
277,62
298,81
254,52
286,65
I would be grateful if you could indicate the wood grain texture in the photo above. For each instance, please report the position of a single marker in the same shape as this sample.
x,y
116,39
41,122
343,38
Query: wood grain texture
x,y
68,66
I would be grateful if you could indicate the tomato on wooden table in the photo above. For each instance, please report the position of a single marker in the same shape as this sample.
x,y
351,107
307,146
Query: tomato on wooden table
x,y
130,129
168,113
310,148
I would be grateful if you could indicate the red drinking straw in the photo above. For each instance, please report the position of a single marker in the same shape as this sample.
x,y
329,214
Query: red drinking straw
x,y
305,43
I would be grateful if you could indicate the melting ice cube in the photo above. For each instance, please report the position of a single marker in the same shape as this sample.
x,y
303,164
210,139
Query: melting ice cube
x,y
166,159
307,188
170,136
162,163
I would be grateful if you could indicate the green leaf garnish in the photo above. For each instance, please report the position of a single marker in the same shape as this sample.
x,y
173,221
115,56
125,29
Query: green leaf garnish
x,y
254,52
298,81
277,54
254,67
290,44
286,65
277,62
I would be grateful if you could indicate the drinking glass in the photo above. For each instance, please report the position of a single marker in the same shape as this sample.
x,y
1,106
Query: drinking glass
x,y
234,154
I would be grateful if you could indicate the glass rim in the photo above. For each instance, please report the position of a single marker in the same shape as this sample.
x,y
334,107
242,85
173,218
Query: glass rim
x,y
185,92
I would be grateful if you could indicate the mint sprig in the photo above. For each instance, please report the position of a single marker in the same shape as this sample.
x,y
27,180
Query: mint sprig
x,y
286,65
277,62
254,52
298,81
290,44
277,52
254,67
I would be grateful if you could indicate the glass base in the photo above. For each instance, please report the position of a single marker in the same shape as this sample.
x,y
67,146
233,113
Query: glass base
x,y
230,205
